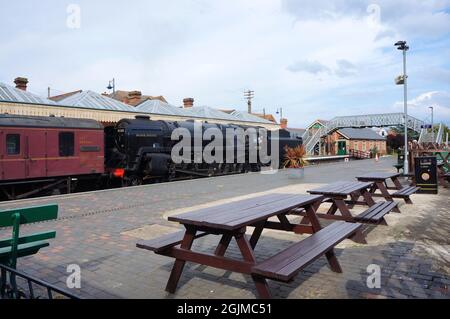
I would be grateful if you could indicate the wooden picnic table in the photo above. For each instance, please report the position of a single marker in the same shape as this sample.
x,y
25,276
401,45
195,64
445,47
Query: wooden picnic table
x,y
345,195
231,221
380,180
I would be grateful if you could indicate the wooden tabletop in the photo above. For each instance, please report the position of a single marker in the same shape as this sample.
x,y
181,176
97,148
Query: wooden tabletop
x,y
377,176
246,212
340,188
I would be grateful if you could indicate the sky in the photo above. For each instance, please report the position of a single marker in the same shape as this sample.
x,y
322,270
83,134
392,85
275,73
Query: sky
x,y
314,59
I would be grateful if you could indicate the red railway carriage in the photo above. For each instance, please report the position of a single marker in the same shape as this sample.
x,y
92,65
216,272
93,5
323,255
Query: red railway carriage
x,y
44,152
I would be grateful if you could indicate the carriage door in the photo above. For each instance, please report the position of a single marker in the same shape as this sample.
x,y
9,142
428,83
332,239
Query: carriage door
x,y
35,154
12,153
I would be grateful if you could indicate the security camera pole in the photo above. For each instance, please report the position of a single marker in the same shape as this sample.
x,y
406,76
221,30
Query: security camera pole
x,y
401,45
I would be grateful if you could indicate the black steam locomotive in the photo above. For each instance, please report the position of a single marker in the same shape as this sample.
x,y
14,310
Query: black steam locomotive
x,y
141,150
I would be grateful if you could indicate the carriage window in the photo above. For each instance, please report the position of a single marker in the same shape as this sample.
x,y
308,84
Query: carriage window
x,y
66,144
13,144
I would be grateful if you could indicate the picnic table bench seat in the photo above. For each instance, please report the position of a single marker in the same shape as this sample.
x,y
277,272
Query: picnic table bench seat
x,y
287,263
375,214
166,241
380,180
406,191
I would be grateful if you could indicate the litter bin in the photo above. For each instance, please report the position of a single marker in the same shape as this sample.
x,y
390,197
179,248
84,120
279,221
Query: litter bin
x,y
426,174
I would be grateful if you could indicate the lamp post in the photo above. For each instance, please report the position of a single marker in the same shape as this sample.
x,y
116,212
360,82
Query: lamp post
x,y
432,120
280,112
401,45
112,85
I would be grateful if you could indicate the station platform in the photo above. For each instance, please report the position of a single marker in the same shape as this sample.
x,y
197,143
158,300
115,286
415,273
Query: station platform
x,y
98,231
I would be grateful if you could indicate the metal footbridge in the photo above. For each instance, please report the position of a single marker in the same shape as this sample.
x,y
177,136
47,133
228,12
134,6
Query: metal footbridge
x,y
312,138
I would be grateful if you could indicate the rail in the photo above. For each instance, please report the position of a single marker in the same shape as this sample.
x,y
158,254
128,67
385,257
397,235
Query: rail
x,y
11,290
359,154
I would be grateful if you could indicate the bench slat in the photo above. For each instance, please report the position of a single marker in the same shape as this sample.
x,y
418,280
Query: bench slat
x,y
406,191
340,188
287,263
29,238
386,210
165,241
371,211
289,254
29,215
376,212
24,249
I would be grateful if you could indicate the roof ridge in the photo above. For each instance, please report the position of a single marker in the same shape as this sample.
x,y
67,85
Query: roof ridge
x,y
17,95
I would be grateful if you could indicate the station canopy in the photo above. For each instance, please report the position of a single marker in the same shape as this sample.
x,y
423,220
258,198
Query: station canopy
x,y
9,93
209,113
94,100
159,107
244,116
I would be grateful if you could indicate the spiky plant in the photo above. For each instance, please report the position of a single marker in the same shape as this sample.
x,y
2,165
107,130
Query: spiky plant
x,y
294,157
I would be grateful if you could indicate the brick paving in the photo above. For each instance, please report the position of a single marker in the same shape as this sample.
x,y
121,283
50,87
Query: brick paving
x,y
99,230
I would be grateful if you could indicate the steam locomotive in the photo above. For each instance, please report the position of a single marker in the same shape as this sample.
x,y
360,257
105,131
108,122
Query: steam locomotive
x,y
39,155
138,150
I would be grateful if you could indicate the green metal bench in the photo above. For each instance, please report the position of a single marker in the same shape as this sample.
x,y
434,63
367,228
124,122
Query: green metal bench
x,y
20,246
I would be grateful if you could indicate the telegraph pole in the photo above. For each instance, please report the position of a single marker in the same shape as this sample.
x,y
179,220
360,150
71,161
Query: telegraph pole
x,y
249,95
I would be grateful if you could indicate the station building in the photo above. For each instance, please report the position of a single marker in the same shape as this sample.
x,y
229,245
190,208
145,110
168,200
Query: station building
x,y
347,140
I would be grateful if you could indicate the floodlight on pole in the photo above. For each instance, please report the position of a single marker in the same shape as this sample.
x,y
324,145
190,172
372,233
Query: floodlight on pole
x,y
402,46
432,120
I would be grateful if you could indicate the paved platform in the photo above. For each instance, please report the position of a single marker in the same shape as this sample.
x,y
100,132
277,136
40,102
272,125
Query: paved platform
x,y
99,230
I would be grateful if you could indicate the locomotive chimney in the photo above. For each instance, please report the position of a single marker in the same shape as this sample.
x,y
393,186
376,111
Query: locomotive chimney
x,y
283,123
21,83
134,97
188,102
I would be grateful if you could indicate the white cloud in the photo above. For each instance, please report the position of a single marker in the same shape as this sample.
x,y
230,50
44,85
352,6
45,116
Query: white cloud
x,y
439,100
313,58
313,67
345,68
412,18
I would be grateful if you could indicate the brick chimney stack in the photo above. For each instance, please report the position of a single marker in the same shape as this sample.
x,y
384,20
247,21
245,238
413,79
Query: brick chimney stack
x,y
188,102
134,97
21,83
283,123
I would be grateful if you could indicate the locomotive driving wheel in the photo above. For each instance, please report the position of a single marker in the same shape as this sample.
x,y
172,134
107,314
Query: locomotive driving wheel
x,y
132,180
172,172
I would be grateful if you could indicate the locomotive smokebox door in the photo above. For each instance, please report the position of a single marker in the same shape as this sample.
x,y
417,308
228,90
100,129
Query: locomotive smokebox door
x,y
426,174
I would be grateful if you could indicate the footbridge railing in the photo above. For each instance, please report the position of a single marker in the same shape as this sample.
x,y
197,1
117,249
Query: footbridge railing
x,y
360,121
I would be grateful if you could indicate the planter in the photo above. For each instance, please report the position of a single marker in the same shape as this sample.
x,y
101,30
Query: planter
x,y
296,173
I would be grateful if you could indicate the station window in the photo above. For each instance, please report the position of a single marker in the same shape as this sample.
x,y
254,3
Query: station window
x,y
66,144
13,144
